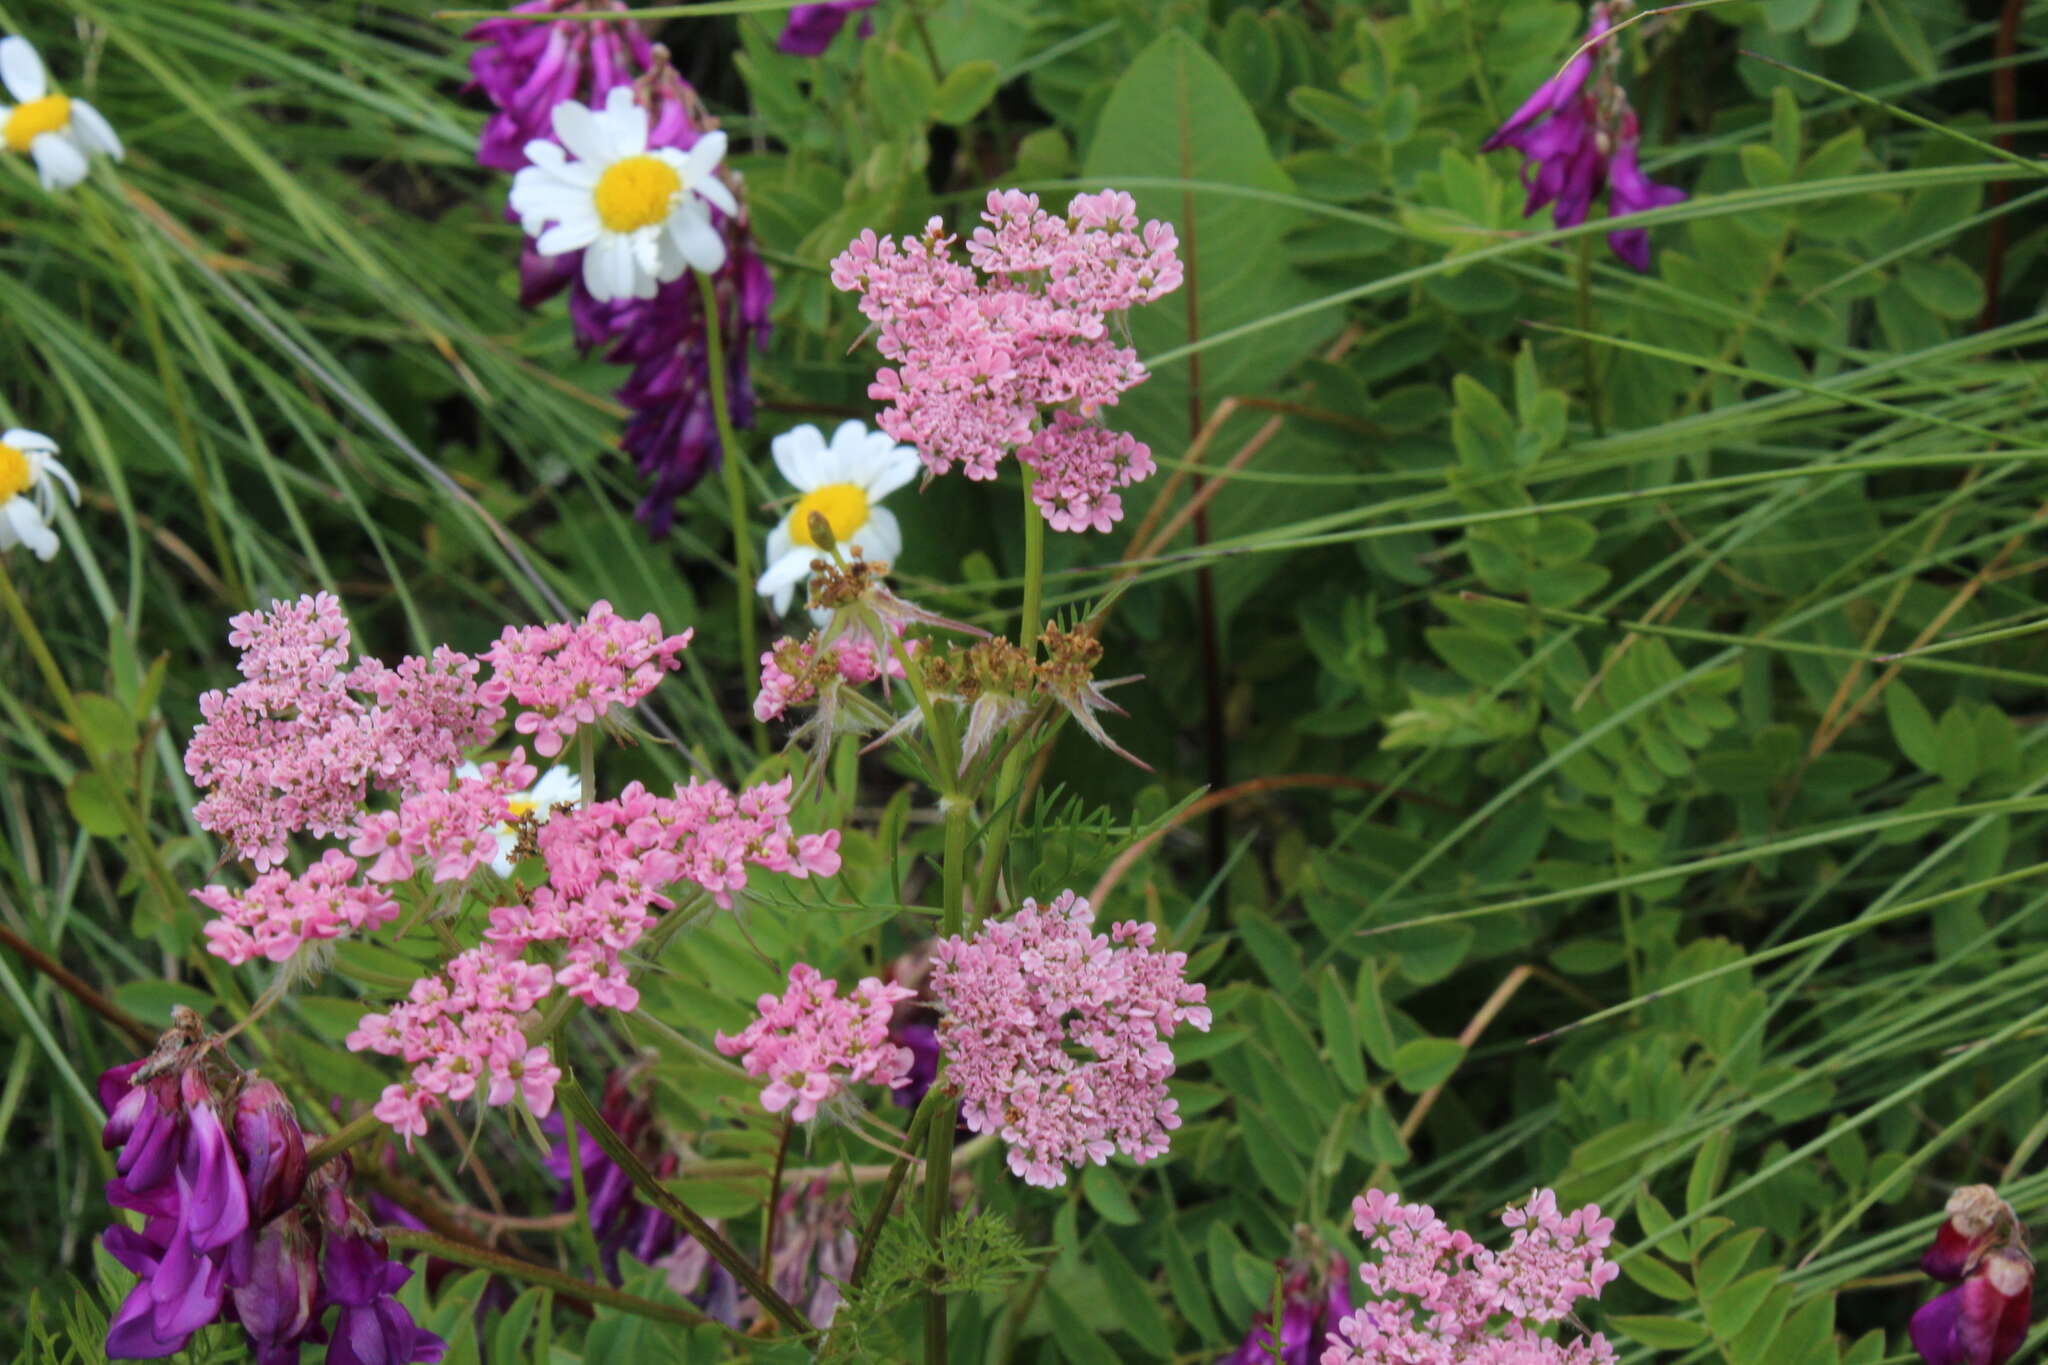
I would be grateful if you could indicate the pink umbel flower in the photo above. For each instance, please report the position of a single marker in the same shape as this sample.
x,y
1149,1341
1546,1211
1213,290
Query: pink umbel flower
x,y
793,671
293,748
1024,996
1440,1297
987,356
569,676
812,1043
281,913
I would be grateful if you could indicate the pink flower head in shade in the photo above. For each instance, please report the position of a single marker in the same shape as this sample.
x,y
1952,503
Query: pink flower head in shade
x,y
280,913
1440,1297
1579,137
1014,353
293,748
1056,1036
569,676
812,1044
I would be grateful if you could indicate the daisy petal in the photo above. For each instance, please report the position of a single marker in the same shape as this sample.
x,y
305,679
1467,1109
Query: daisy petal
x,y
581,133
21,70
60,163
881,538
94,131
796,452
713,191
780,580
694,236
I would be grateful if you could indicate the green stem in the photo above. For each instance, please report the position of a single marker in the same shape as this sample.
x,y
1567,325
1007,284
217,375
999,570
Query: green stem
x,y
577,1108
920,1123
959,815
730,468
586,763
578,1187
1034,567
362,1126
409,1239
938,1203
1003,814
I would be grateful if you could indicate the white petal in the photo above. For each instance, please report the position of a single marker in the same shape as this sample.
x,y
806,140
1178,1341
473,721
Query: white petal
x,y
694,236
21,438
624,123
468,772
572,233
881,538
94,131
608,268
581,133
704,157
50,468
557,785
898,467
22,70
713,191
796,453
541,196
782,576
60,162
502,864
27,525
778,543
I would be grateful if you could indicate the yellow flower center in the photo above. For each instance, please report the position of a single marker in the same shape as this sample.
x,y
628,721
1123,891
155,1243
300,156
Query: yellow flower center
x,y
50,114
16,474
519,806
635,192
844,506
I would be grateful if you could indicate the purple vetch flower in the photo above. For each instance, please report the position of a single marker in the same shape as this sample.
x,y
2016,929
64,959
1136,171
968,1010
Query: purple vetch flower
x,y
233,1223
811,28
1983,1320
527,67
280,1301
1579,138
923,1041
1314,1295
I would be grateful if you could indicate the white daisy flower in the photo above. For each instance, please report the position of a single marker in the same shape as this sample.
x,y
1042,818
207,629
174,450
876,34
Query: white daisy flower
x,y
558,786
639,217
57,130
28,465
845,483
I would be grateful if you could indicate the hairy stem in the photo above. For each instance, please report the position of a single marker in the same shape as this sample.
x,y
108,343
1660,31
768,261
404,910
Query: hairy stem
x,y
513,1267
938,1202
578,1109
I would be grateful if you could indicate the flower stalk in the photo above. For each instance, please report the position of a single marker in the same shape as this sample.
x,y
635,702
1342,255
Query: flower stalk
x,y
729,468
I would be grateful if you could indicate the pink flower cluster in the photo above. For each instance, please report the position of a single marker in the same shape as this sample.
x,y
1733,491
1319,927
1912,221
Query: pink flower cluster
x,y
811,1043
568,676
1056,1035
1080,466
292,747
786,682
984,362
453,830
280,913
609,865
462,1030
1443,1299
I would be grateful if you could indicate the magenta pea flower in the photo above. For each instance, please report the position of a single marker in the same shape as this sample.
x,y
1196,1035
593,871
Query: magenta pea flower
x,y
1580,138
1983,1320
810,29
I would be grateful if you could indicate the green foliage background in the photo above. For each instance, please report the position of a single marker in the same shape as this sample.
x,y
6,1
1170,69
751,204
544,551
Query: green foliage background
x,y
1593,835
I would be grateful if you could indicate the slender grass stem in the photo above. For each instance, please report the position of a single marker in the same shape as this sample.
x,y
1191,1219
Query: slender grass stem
x,y
938,1204
579,1189
731,470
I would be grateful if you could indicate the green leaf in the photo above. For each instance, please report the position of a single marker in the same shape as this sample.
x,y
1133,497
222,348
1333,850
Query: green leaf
x,y
108,727
1189,1294
95,803
1343,119
1340,1033
965,92
1657,1277
1137,1312
1105,1194
1661,1334
1375,1030
1426,1062
1731,1310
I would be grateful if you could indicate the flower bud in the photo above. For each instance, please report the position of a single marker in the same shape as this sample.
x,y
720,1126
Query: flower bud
x,y
1974,1212
1983,1320
275,1304
272,1148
